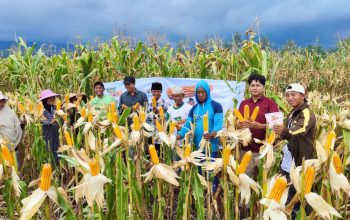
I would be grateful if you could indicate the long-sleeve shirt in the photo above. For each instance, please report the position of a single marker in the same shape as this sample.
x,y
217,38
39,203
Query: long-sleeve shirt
x,y
10,128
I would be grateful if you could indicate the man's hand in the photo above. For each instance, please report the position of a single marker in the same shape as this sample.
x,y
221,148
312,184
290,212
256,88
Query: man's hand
x,y
209,136
178,137
278,129
155,110
124,107
242,124
255,125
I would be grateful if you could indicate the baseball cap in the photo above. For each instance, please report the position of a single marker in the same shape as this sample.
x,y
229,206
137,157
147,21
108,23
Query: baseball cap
x,y
295,87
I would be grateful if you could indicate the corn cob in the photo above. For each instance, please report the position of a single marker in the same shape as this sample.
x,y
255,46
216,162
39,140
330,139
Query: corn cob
x,y
65,117
21,108
271,138
118,132
90,117
255,113
142,117
187,150
172,127
94,167
161,113
159,126
136,106
309,179
59,104
226,155
278,189
337,163
238,114
6,155
246,112
109,116
68,138
114,117
83,112
154,102
205,123
153,153
45,179
245,162
136,122
66,97
330,137
112,107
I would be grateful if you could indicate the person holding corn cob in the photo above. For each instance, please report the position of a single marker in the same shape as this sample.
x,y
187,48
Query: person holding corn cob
x,y
132,98
256,122
101,101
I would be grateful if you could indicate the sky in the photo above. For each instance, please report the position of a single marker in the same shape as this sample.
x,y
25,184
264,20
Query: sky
x,y
61,21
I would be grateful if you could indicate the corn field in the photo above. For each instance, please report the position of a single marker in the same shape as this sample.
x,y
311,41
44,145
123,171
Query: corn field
x,y
107,169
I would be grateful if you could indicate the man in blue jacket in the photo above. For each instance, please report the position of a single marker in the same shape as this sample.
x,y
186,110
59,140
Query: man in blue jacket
x,y
215,116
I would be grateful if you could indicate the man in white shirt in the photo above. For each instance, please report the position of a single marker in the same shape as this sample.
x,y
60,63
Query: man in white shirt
x,y
179,111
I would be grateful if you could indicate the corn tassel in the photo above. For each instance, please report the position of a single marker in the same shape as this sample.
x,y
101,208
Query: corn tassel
x,y
68,138
83,112
330,137
94,167
7,156
136,122
226,155
154,155
278,189
246,112
205,123
309,179
245,162
187,150
337,163
271,138
238,115
45,179
59,104
159,126
255,113
118,132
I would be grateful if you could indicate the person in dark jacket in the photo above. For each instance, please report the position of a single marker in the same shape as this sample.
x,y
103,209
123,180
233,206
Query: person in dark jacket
x,y
50,125
299,131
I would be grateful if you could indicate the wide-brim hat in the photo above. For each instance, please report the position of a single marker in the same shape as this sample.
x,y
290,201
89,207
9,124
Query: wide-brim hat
x,y
3,97
47,94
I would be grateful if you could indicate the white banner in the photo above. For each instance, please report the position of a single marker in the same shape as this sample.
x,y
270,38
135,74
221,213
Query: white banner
x,y
220,91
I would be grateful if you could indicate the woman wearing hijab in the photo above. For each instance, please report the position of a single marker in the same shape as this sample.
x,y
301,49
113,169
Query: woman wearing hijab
x,y
50,126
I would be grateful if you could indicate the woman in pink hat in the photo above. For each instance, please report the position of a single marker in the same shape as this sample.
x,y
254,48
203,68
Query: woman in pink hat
x,y
50,126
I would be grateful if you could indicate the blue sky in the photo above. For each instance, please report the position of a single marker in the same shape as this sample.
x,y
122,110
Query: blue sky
x,y
64,20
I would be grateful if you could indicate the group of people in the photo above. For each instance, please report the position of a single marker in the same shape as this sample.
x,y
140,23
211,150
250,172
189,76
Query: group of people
x,y
298,129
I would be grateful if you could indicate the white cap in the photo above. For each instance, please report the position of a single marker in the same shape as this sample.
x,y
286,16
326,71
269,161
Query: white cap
x,y
295,87
177,90
2,96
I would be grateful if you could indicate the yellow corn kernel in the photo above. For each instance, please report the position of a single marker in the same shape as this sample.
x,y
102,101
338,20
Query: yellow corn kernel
x,y
59,104
118,132
68,138
159,126
154,102
238,114
245,162
45,179
66,97
90,117
271,138
161,113
94,167
278,189
309,179
226,155
6,155
187,150
246,112
154,155
205,123
337,163
330,137
21,108
142,117
255,113
115,117
172,127
83,112
136,122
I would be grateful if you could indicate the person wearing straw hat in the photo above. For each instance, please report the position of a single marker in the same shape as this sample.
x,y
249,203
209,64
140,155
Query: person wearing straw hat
x,y
10,126
50,125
